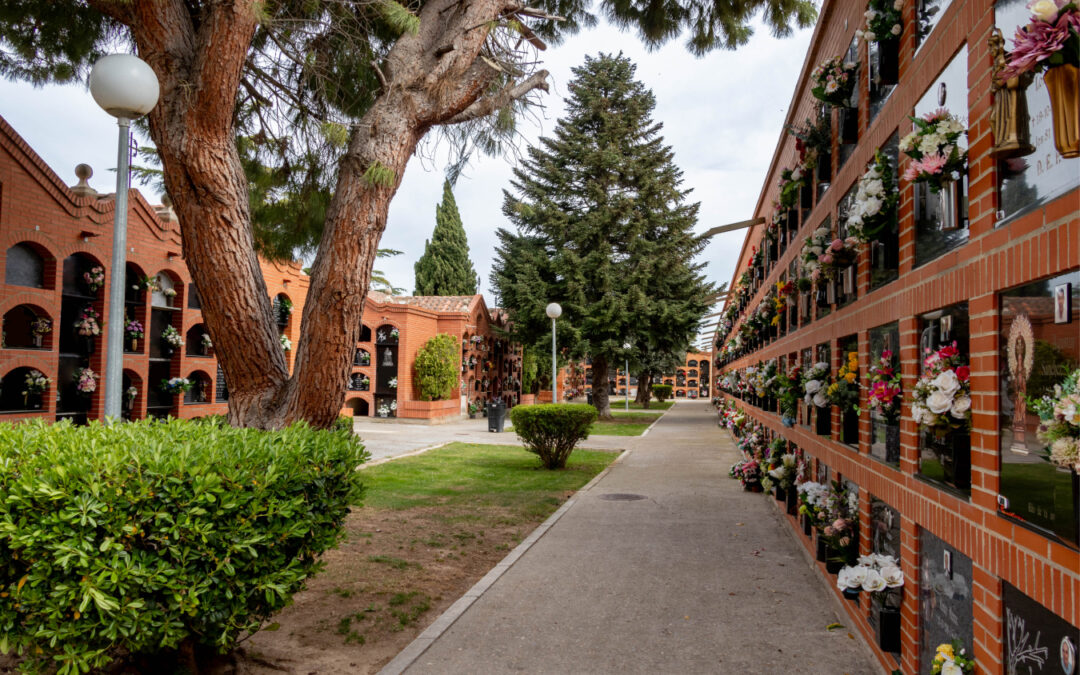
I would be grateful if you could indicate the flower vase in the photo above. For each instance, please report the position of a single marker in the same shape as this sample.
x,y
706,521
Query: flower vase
x,y
33,401
886,623
824,167
780,494
167,350
134,344
807,526
851,594
823,421
1061,84
821,549
892,442
787,421
888,61
849,126
806,197
791,501
755,487
834,561
851,427
947,200
954,453
87,345
38,340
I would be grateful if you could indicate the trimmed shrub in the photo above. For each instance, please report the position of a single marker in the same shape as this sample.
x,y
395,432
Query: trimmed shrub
x,y
662,392
436,368
135,539
552,430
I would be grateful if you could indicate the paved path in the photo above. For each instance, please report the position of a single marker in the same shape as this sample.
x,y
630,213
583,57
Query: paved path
x,y
392,439
698,577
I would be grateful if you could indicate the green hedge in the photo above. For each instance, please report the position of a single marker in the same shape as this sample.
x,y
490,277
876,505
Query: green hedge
x,y
662,392
437,364
552,430
137,538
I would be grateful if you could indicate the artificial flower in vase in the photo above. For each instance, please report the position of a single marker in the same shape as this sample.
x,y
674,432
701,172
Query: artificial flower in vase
x,y
85,381
95,278
884,24
938,159
951,659
34,386
39,327
833,82
171,340
942,398
1059,413
133,332
1050,44
176,385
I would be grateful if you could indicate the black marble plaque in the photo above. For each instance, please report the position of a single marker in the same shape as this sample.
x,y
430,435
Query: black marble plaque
x,y
945,612
1037,641
885,528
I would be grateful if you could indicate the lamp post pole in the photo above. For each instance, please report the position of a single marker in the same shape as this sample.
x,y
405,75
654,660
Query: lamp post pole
x,y
126,88
626,346
554,311
114,335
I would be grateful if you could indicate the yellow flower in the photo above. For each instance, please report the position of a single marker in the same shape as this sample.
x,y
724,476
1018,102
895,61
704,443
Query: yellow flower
x,y
850,377
946,651
776,320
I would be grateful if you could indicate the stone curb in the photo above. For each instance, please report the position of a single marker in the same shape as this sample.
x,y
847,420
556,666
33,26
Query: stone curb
x,y
420,644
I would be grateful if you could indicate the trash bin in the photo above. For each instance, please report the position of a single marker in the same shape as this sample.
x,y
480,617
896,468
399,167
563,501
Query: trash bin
x,y
588,397
496,414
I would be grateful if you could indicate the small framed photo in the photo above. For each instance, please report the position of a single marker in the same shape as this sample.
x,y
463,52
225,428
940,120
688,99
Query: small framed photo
x,y
1063,303
946,328
947,563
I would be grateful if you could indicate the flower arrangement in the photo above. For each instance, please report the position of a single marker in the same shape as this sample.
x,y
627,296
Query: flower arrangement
x,y
172,337
392,383
815,383
88,325
133,330
747,471
1051,39
145,283
934,145
876,198
85,381
40,326
942,399
833,81
875,573
176,385
885,388
813,497
129,395
787,386
783,473
840,515
35,383
206,342
95,278
286,343
383,410
844,391
169,292
813,250
394,333
1060,416
883,21
952,659
791,182
812,140
477,339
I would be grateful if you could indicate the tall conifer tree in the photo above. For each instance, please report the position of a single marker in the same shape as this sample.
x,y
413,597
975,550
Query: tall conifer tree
x,y
603,228
445,268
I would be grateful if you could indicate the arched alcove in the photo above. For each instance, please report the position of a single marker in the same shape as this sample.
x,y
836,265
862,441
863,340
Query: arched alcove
x,y
14,383
168,290
680,393
362,357
359,382
358,406
282,309
197,342
692,363
82,275
28,264
27,327
202,388
131,395
365,333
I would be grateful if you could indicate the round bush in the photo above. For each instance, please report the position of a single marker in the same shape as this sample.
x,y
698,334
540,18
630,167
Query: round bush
x,y
662,392
552,430
134,539
437,368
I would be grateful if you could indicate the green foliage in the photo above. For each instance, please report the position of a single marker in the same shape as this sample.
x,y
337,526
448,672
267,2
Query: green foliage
x,y
436,368
552,430
662,392
529,366
603,227
445,267
135,538
379,175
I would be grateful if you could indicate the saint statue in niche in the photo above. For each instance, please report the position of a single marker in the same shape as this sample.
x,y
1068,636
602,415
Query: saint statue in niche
x,y
387,357
1021,356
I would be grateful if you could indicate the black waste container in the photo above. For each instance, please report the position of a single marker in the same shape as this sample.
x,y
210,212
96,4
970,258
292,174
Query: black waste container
x,y
496,414
588,397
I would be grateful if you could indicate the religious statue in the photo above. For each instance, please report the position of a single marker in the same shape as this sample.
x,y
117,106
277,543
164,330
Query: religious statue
x,y
1009,119
1021,348
387,357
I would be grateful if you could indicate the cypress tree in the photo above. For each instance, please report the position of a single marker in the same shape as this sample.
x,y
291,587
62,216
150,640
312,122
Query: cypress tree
x,y
602,227
445,268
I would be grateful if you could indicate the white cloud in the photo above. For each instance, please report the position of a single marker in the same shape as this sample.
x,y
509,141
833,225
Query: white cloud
x,y
722,115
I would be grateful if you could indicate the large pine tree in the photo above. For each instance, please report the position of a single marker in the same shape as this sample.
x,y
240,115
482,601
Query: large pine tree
x,y
603,228
445,268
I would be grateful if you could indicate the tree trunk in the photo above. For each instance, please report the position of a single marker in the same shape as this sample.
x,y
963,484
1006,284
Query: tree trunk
x,y
199,55
644,389
601,400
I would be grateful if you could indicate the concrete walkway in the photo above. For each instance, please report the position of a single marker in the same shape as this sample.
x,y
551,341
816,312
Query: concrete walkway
x,y
696,577
387,439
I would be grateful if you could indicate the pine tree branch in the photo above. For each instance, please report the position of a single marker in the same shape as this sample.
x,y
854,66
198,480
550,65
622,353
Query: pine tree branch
x,y
489,104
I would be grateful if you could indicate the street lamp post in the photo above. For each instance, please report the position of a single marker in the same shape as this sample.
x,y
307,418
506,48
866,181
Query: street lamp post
x,y
626,346
554,311
126,88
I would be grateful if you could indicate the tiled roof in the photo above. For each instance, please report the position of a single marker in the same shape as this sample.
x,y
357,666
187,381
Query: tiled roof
x,y
435,303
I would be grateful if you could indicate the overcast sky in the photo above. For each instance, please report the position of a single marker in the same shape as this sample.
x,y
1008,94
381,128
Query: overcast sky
x,y
722,115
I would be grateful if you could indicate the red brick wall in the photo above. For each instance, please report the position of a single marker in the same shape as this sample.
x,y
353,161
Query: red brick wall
x,y
1042,243
36,206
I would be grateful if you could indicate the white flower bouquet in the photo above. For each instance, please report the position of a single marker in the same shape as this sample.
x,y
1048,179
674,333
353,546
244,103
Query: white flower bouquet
x,y
942,399
1060,417
815,383
875,574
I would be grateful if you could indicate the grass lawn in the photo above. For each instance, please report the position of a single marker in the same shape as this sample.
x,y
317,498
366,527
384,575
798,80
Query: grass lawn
x,y
655,405
623,425
652,414
430,527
